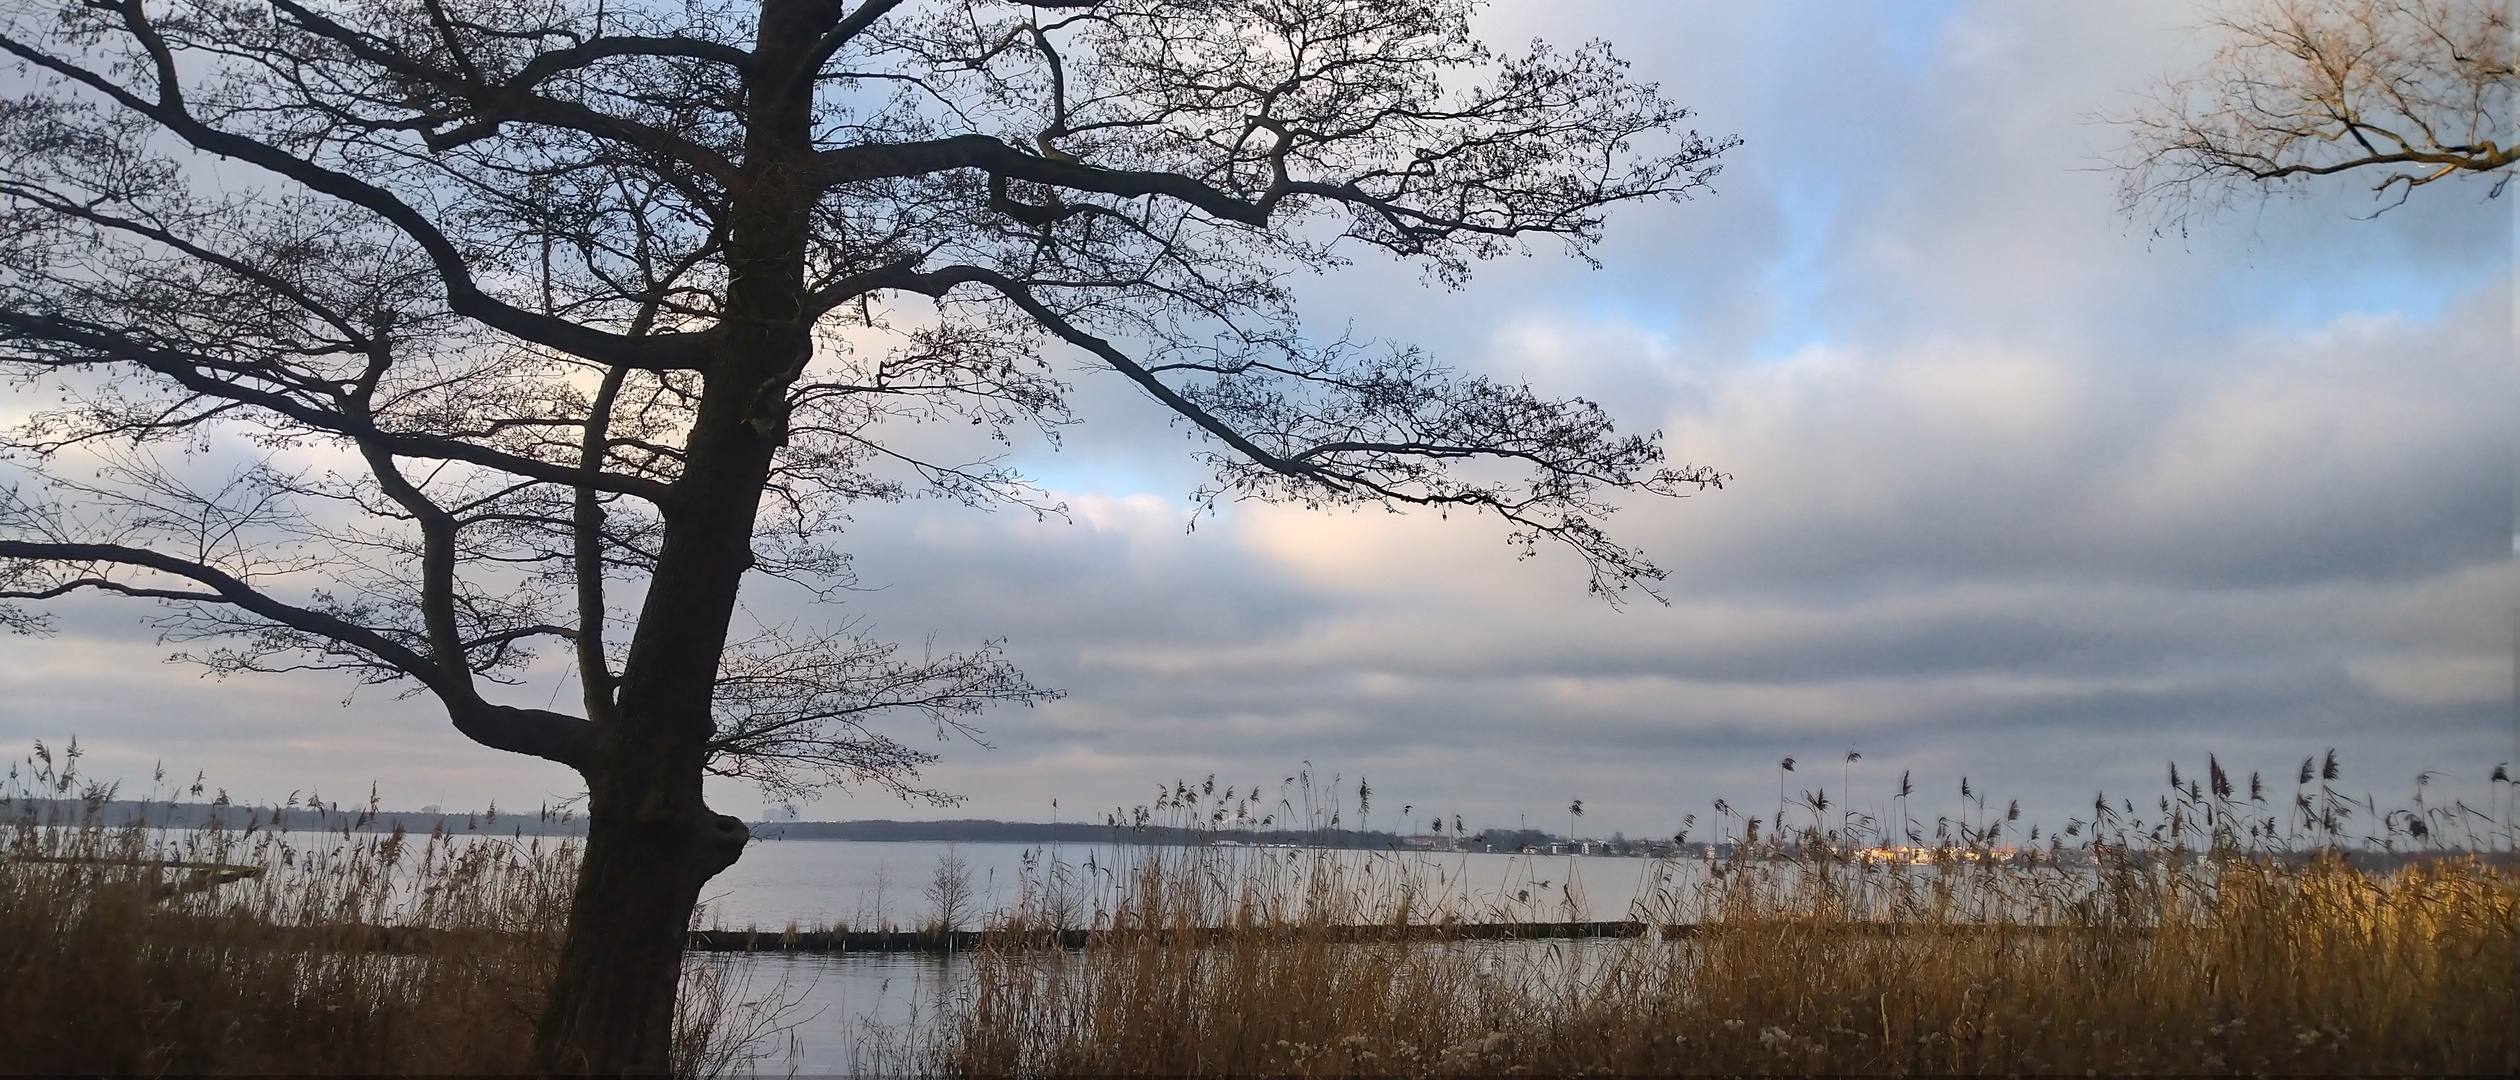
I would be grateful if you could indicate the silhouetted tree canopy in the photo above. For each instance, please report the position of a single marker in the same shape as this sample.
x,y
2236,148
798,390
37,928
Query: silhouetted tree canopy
x,y
415,337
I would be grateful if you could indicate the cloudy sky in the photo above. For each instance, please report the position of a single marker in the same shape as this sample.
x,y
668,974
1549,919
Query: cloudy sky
x,y
2022,493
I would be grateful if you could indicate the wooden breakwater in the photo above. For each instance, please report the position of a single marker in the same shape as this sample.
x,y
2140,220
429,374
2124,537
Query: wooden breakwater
x,y
931,941
957,941
188,877
422,940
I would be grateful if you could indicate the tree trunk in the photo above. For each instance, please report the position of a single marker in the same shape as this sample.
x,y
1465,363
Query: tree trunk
x,y
651,840
611,1008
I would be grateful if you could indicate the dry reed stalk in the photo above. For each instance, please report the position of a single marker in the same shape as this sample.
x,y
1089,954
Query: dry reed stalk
x,y
1812,960
117,959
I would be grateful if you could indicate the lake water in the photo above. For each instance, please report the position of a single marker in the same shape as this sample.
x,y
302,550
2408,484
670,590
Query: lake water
x,y
825,1012
859,885
833,1008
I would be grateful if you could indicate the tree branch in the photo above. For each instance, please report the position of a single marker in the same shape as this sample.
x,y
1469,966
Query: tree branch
x,y
187,371
582,55
542,734
893,161
464,296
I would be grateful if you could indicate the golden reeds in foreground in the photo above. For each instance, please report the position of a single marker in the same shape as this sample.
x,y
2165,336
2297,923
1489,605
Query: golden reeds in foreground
x,y
244,950
1805,961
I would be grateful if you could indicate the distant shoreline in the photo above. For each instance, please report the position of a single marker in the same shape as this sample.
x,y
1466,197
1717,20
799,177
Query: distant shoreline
x,y
330,817
989,831
333,817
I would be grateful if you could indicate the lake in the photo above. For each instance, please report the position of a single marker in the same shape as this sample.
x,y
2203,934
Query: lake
x,y
862,885
834,1006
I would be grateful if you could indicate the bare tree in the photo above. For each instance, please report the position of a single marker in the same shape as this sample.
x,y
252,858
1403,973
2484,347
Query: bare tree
x,y
948,893
2408,91
404,337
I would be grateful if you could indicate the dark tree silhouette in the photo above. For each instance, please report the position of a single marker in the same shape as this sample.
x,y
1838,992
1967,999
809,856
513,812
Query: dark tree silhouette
x,y
397,337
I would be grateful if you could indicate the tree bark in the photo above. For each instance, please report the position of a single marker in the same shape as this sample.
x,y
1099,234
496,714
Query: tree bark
x,y
652,841
611,1007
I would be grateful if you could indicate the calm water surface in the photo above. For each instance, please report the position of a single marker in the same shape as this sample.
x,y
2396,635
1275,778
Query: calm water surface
x,y
862,885
836,1012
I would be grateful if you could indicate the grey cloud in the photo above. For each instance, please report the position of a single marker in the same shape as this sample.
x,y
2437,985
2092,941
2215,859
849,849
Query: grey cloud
x,y
2045,502
2283,463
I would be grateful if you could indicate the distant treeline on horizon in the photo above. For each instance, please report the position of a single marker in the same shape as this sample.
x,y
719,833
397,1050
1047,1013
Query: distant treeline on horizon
x,y
334,817
329,817
985,831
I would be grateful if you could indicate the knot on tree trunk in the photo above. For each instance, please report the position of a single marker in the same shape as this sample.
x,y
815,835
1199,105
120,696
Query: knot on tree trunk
x,y
719,840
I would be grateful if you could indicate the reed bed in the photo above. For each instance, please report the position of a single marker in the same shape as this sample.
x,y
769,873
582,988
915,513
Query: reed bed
x,y
2210,946
128,950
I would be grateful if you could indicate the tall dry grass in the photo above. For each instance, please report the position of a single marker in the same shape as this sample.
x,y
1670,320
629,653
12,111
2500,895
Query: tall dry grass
x,y
2141,954
127,950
